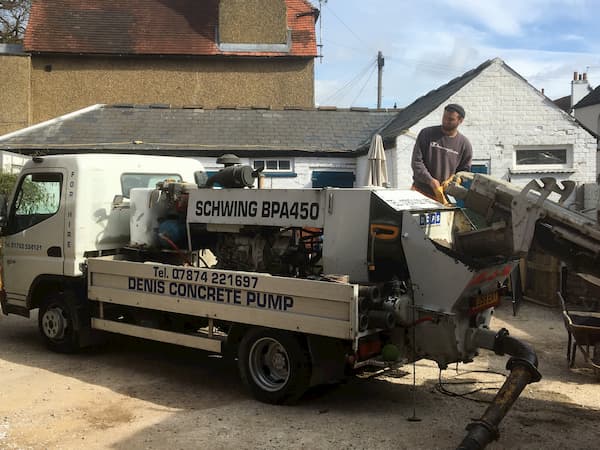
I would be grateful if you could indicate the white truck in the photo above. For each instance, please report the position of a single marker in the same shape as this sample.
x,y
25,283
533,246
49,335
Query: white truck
x,y
308,285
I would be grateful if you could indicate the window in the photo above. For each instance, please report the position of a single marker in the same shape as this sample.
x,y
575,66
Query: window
x,y
273,165
145,180
37,199
542,158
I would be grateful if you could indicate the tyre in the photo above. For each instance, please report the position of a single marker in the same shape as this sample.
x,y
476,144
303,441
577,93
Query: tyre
x,y
274,365
56,322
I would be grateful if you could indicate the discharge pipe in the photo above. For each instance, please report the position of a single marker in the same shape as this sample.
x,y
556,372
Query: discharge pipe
x,y
523,370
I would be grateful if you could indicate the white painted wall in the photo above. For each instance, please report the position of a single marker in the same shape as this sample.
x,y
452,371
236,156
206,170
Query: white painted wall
x,y
303,167
12,162
503,111
579,88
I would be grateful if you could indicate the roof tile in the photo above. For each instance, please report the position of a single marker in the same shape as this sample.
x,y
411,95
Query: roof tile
x,y
147,27
180,131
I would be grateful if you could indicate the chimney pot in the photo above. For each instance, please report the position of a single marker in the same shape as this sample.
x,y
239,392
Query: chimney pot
x,y
575,76
585,76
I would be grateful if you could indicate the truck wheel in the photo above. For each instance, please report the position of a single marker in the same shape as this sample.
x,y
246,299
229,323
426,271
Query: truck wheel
x,y
55,321
274,366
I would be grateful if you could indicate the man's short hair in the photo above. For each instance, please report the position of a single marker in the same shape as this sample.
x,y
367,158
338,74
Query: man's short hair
x,y
455,107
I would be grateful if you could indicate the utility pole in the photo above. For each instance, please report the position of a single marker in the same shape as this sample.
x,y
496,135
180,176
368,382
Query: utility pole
x,y
380,62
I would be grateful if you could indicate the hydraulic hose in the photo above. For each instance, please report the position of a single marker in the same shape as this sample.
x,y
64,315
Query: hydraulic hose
x,y
523,370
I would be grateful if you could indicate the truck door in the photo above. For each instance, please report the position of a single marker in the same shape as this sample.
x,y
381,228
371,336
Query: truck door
x,y
34,233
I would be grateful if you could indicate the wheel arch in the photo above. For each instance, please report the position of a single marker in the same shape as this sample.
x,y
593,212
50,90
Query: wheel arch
x,y
46,284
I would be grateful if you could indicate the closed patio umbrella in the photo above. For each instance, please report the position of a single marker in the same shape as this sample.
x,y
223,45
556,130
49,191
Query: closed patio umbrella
x,y
377,167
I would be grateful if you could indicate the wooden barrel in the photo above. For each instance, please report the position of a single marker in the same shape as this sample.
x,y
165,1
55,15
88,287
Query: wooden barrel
x,y
542,278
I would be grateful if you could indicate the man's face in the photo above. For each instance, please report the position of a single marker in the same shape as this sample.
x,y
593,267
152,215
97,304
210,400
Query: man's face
x,y
451,120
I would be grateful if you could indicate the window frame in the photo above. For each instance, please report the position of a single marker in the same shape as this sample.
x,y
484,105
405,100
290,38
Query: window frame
x,y
278,170
529,168
17,222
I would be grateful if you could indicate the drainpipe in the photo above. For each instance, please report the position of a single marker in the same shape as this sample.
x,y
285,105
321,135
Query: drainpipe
x,y
523,370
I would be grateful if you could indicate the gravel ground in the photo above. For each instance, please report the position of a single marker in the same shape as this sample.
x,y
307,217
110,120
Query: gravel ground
x,y
133,394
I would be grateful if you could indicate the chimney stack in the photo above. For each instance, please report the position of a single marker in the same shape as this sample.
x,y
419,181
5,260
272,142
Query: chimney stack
x,y
580,87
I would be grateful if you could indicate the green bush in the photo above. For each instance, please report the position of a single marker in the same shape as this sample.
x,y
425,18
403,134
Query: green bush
x,y
7,182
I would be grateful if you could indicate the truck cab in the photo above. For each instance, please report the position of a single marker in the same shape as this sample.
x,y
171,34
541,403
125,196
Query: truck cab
x,y
65,208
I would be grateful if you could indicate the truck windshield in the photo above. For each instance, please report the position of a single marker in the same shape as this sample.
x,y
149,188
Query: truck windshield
x,y
145,180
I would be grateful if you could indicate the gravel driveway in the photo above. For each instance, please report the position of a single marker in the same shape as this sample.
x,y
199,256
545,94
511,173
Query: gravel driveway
x,y
134,394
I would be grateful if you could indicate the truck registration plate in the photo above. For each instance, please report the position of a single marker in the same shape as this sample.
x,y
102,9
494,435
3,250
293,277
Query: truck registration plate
x,y
484,301
433,218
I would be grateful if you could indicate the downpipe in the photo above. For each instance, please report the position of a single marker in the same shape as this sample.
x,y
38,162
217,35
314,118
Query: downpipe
x,y
523,370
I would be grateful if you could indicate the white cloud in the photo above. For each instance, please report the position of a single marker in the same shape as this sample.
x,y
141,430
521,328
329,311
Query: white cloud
x,y
572,37
426,47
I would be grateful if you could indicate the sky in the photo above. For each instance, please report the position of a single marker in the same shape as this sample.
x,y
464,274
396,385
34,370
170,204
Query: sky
x,y
427,43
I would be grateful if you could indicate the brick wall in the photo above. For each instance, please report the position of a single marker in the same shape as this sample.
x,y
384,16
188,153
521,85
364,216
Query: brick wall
x,y
502,112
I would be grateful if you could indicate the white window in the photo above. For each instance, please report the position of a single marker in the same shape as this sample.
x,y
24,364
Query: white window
x,y
273,165
543,159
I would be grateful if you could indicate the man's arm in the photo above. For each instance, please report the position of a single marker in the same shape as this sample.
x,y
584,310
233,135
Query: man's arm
x,y
420,172
466,158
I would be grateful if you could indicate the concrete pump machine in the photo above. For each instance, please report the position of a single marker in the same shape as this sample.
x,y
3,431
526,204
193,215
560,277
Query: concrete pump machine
x,y
302,286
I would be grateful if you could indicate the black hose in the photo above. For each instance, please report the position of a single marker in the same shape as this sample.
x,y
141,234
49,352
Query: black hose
x,y
523,370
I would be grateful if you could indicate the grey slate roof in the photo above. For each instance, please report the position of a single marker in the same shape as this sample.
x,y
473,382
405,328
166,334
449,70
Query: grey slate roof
x,y
421,107
159,129
593,98
564,103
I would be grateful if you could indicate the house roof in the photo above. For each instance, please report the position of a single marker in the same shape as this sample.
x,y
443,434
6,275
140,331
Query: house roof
x,y
564,103
189,131
424,105
149,27
593,98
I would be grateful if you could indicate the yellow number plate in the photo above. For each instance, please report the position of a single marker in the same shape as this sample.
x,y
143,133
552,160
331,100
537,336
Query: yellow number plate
x,y
484,301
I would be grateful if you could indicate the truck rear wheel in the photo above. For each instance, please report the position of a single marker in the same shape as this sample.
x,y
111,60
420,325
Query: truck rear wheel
x,y
56,324
274,365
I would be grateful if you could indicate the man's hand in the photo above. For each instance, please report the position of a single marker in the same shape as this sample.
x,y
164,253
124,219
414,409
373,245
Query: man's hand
x,y
434,184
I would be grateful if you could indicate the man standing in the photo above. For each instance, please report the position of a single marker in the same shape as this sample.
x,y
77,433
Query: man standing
x,y
440,152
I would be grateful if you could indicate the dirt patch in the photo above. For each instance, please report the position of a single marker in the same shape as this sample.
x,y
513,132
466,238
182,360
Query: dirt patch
x,y
134,394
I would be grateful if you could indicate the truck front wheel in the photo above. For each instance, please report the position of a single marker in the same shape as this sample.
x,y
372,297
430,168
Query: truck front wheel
x,y
55,321
274,365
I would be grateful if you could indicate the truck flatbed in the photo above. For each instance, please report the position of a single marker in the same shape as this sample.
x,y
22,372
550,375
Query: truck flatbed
x,y
308,306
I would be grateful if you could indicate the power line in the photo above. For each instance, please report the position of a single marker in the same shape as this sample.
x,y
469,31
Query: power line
x,y
356,78
354,49
364,85
367,46
437,67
